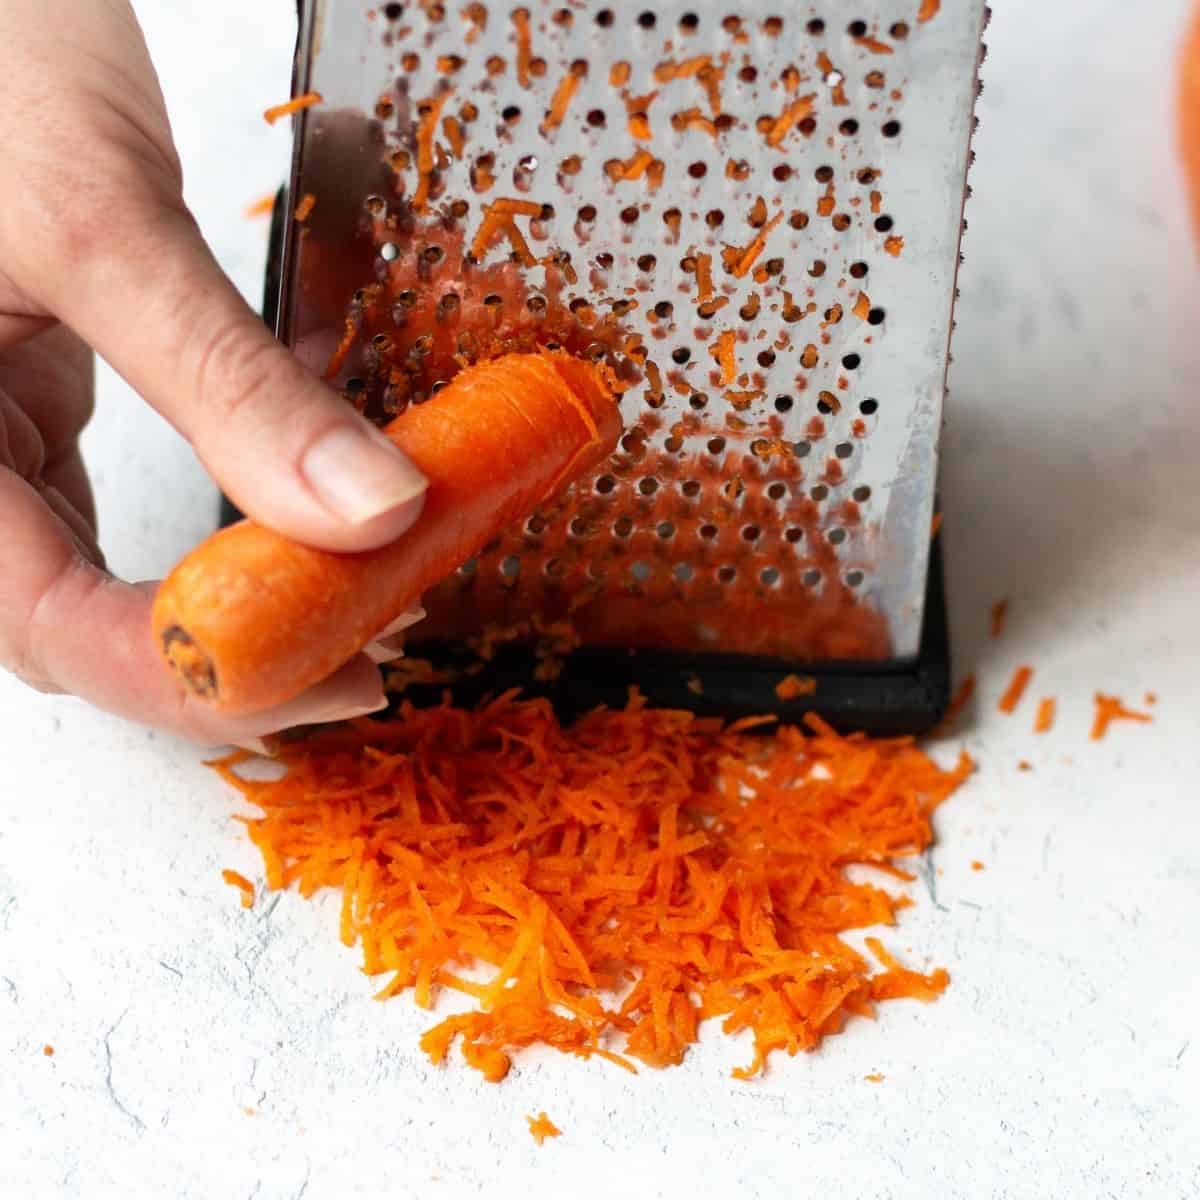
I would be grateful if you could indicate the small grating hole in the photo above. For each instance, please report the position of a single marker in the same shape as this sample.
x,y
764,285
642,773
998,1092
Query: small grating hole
x,y
876,316
782,173
843,450
812,578
647,20
823,174
605,484
698,170
727,574
868,406
691,488
798,220
861,494
468,568
899,31
851,361
802,449
647,262
393,12
854,579
680,355
665,530
819,493
766,358
777,491
389,252
884,223
641,571
597,119
716,445
698,401
604,18
858,270
510,567
714,218
648,486
751,533
849,127
683,572
793,534
817,268
708,532
816,26
623,526
891,129
837,537
769,576
857,29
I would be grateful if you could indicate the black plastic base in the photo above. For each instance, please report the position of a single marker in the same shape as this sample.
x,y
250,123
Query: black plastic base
x,y
876,700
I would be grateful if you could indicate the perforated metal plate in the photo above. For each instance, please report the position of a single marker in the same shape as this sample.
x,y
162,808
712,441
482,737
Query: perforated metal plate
x,y
774,491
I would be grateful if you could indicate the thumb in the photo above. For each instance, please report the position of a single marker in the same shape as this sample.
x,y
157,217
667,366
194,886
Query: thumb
x,y
151,299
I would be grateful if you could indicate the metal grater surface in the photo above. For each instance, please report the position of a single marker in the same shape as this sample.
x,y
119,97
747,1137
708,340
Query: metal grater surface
x,y
754,215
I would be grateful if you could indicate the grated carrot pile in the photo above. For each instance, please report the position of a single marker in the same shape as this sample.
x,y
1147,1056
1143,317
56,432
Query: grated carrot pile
x,y
304,208
1015,690
542,1128
298,104
604,888
1110,709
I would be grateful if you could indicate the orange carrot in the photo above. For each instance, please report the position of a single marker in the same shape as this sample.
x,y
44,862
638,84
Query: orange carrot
x,y
520,19
874,1077
793,686
298,104
704,279
999,617
693,118
893,245
243,885
740,262
1188,114
561,100
542,1128
722,351
928,10
787,120
48,1050
935,525
874,45
1015,690
1044,721
426,131
1110,709
624,853
304,209
976,865
251,619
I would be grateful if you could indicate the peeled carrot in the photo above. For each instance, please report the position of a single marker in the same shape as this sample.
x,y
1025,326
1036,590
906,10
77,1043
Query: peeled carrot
x,y
251,619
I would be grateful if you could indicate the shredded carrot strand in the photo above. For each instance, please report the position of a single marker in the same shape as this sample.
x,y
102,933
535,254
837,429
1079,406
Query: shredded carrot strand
x,y
1044,721
689,68
262,207
894,245
862,306
704,279
928,10
793,686
524,46
696,870
295,105
243,885
724,355
1110,709
560,102
743,260
693,118
304,209
999,617
452,128
1015,690
874,45
787,120
426,131
642,162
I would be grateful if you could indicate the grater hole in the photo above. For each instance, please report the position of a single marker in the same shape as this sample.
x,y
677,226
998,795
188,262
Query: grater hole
x,y
732,24
782,173
664,309
587,214
510,567
884,223
630,214
691,488
798,220
868,407
875,79
673,444
816,27
890,129
648,486
773,26
817,268
665,530
867,175
812,578
579,528
802,449
857,29
680,355
563,17
698,170
777,491
726,574
793,534
393,12
647,263
851,361
596,118
826,403
854,579
823,174
766,358
716,445
623,526
858,270
751,533
605,485
468,568
641,571
861,494
689,22
769,576
708,532
819,493
840,222
837,537
783,404
849,127
510,114
843,449
554,568
714,218
698,401
899,30
410,62
748,74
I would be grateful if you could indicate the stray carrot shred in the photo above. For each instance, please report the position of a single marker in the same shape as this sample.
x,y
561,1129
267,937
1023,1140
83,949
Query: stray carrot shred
x,y
561,100
542,1128
874,45
262,207
295,105
893,245
452,128
787,120
999,617
666,72
1044,721
520,19
243,885
1024,765
618,75
874,1077
642,162
862,306
928,10
693,118
738,261
722,351
1015,690
976,865
623,853
426,131
304,209
793,686
1110,709
48,1050
704,279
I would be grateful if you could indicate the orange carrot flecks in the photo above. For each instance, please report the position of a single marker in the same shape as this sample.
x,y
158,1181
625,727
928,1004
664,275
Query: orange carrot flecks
x,y
295,105
787,120
1044,721
1015,690
874,45
704,279
304,209
894,245
542,1128
738,261
722,351
520,19
791,687
928,10
1110,709
262,207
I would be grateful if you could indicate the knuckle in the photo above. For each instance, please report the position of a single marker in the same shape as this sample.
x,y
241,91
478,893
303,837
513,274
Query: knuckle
x,y
239,372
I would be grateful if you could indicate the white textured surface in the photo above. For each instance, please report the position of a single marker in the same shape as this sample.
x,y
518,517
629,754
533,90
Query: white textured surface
x,y
1057,1064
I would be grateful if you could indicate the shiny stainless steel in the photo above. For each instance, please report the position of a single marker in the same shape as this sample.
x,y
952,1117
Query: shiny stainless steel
x,y
896,103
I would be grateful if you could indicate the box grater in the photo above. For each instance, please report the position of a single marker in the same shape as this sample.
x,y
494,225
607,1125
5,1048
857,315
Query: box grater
x,y
754,217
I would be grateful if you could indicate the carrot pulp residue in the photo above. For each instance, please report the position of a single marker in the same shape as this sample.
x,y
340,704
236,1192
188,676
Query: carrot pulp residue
x,y
1110,709
542,1128
791,687
605,887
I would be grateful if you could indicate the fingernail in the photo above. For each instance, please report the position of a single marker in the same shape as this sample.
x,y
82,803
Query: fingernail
x,y
358,474
347,712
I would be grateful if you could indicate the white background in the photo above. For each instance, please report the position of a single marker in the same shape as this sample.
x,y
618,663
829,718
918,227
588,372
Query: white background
x,y
1065,1058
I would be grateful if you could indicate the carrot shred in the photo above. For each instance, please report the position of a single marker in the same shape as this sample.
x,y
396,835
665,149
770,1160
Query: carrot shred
x,y
520,19
723,353
618,881
542,1128
787,120
640,163
704,279
928,10
304,209
262,207
862,306
893,245
1110,709
935,525
243,885
426,131
1015,690
874,45
560,102
295,105
793,686
976,865
452,128
1044,721
999,617
693,118
48,1050
738,262
874,1077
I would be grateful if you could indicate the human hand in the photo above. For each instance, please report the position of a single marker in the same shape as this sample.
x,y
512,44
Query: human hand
x,y
94,234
